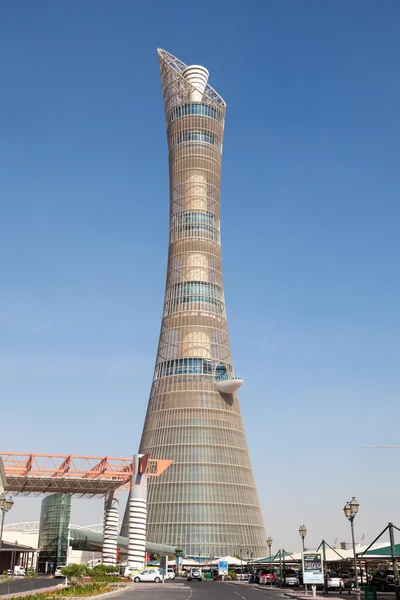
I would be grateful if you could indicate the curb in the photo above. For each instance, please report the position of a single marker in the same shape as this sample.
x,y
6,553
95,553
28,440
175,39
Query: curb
x,y
31,592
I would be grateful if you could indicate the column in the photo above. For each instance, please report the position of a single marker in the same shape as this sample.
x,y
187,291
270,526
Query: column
x,y
110,529
137,507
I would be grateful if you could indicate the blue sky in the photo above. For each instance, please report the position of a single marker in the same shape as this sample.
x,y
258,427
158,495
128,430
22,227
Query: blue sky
x,y
310,220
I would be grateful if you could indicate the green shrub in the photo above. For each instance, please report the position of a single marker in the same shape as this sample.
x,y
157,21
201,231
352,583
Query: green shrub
x,y
232,575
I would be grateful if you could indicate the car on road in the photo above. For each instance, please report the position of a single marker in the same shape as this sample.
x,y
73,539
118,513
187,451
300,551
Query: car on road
x,y
335,582
19,571
146,575
57,572
194,573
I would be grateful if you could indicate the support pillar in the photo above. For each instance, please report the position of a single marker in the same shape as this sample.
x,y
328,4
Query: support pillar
x,y
137,510
110,529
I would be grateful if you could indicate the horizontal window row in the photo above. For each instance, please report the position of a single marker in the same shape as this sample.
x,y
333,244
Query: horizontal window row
x,y
195,108
182,366
194,291
197,136
194,224
192,218
194,295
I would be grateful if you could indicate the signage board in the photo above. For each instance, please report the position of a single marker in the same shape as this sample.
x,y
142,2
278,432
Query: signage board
x,y
163,565
313,568
223,567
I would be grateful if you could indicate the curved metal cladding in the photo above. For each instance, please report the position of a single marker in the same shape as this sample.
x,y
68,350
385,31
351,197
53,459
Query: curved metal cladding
x,y
206,502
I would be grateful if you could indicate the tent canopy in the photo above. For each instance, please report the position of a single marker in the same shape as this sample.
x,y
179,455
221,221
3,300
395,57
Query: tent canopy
x,y
275,558
231,560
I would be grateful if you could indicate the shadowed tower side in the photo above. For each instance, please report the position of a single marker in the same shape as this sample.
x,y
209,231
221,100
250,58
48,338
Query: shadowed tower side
x,y
206,501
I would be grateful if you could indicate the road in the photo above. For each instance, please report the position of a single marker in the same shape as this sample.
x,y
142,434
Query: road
x,y
19,584
211,590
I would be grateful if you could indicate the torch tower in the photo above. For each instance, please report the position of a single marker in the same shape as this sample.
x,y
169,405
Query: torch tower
x,y
206,501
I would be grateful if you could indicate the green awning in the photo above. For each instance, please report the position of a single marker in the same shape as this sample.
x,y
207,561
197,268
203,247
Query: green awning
x,y
385,551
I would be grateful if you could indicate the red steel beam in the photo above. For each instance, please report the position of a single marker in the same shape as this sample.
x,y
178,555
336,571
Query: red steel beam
x,y
64,467
25,464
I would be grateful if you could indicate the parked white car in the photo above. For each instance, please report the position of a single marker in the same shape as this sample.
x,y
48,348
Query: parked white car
x,y
57,572
146,575
335,583
171,573
19,571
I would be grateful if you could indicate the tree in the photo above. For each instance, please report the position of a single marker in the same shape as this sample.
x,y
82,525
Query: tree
x,y
31,576
7,579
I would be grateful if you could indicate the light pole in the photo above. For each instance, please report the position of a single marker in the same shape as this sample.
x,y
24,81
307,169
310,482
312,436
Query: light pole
x,y
6,504
350,510
269,543
303,533
241,563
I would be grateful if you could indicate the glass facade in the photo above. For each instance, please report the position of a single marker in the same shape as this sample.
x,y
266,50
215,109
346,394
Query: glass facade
x,y
195,108
53,531
195,135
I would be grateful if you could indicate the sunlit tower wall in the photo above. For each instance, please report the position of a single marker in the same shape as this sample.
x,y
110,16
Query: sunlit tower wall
x,y
207,500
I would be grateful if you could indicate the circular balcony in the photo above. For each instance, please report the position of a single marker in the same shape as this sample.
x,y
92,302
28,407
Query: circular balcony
x,y
228,386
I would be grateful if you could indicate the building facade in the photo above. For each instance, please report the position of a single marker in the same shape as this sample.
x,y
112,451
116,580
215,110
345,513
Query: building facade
x,y
53,531
206,502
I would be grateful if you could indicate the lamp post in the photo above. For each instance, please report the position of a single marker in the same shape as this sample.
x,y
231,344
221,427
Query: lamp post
x,y
6,504
350,510
269,543
241,563
303,533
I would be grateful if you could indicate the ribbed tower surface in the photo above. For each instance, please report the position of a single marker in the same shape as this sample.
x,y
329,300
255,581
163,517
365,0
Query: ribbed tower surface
x,y
206,502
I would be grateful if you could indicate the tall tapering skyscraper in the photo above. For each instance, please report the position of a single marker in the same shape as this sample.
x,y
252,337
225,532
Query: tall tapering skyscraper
x,y
207,500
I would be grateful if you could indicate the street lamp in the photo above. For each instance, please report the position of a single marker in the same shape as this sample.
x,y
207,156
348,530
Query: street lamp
x,y
241,563
303,533
350,510
269,544
6,504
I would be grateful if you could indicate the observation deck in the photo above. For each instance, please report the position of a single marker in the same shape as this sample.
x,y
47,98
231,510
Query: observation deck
x,y
229,386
